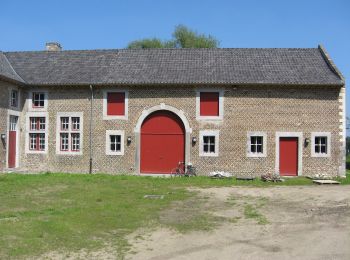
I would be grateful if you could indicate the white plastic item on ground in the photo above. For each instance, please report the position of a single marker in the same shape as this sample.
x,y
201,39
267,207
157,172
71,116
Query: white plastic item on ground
x,y
218,174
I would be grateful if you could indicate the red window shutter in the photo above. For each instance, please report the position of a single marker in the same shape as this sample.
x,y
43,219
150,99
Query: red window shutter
x,y
209,103
116,104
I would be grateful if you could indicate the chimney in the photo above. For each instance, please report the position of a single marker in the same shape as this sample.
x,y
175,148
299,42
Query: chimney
x,y
53,46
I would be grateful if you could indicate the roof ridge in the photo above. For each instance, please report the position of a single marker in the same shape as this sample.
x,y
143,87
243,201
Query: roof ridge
x,y
163,49
86,50
330,63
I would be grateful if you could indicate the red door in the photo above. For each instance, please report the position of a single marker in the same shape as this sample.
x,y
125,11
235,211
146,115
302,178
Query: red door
x,y
288,156
12,142
162,142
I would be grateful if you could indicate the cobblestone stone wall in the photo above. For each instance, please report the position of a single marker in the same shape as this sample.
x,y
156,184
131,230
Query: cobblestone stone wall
x,y
268,109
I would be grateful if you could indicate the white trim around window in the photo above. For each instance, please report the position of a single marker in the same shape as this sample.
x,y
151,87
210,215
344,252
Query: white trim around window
x,y
70,132
313,144
17,107
29,131
264,144
110,133
221,104
30,100
107,117
209,133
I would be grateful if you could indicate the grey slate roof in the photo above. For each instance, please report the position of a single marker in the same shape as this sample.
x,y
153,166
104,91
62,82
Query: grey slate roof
x,y
6,69
174,66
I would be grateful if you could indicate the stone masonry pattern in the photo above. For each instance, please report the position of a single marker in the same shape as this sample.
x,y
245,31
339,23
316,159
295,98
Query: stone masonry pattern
x,y
268,109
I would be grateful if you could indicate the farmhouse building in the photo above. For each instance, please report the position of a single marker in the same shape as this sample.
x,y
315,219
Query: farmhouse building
x,y
241,110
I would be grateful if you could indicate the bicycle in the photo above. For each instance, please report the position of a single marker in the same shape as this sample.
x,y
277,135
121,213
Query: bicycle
x,y
181,170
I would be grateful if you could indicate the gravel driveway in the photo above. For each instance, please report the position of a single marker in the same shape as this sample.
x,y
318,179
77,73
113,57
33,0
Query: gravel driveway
x,y
311,222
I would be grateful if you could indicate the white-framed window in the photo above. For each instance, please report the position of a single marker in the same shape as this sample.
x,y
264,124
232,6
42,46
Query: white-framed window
x,y
256,144
69,133
37,100
115,104
209,143
320,144
209,104
64,123
36,132
115,142
64,141
14,98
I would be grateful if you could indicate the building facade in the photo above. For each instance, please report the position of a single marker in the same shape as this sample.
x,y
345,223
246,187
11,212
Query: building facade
x,y
245,111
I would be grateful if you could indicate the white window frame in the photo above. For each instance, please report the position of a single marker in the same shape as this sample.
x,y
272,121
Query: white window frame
x,y
108,142
221,104
320,134
214,133
70,132
30,100
108,117
254,155
28,131
18,98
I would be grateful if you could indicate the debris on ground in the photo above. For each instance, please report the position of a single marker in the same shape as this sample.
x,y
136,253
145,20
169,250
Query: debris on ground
x,y
271,177
320,176
325,182
220,174
153,197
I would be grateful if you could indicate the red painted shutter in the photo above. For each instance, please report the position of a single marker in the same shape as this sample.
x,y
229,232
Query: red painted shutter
x,y
116,104
209,104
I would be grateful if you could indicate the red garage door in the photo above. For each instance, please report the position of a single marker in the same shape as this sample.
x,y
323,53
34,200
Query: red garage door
x,y
289,156
162,142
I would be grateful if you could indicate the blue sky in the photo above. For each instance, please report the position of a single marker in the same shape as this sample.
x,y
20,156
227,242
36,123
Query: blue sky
x,y
79,24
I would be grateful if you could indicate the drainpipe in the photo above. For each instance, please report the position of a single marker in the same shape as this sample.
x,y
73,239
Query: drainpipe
x,y
91,110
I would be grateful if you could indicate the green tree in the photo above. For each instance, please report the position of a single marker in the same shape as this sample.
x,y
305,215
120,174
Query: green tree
x,y
182,37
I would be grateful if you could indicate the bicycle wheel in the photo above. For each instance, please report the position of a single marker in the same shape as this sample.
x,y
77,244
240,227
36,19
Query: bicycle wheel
x,y
177,172
174,172
191,171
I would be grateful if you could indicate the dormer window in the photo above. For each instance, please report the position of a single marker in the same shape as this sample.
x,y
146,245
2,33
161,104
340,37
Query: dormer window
x,y
38,99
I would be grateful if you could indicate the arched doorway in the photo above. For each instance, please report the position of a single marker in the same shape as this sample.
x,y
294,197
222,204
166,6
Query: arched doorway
x,y
162,143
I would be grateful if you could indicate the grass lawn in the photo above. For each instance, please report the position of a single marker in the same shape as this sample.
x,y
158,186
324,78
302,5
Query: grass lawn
x,y
45,212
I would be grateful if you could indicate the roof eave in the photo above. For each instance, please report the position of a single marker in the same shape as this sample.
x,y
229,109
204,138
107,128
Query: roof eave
x,y
330,63
11,80
341,83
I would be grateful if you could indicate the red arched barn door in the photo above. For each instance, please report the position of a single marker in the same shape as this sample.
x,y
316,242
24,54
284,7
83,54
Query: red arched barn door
x,y
162,142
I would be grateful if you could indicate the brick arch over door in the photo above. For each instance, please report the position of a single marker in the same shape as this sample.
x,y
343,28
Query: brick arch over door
x,y
173,114
162,142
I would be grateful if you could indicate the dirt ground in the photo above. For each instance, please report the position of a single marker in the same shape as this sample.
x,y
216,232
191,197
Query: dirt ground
x,y
310,222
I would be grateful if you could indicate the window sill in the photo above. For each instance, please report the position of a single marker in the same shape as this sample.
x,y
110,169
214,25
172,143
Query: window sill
x,y
36,152
325,155
209,155
115,153
105,117
69,153
209,118
256,155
